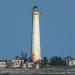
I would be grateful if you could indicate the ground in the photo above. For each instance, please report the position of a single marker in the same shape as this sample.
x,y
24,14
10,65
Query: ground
x,y
43,71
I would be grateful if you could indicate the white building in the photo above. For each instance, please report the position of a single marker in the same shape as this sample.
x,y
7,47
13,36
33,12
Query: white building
x,y
36,50
3,64
71,63
17,63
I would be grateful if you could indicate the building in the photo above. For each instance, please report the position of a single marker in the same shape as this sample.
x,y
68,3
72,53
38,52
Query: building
x,y
17,63
71,63
31,65
3,64
36,50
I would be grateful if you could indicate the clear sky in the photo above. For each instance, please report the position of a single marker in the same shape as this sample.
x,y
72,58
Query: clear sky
x,y
57,26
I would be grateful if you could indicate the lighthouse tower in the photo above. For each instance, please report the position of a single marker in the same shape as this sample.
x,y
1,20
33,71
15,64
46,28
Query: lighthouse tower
x,y
36,51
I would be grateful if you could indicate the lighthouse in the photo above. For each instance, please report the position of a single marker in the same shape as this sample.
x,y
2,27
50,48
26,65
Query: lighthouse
x,y
36,50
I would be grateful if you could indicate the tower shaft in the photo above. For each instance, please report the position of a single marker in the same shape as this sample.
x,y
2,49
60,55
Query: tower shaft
x,y
36,54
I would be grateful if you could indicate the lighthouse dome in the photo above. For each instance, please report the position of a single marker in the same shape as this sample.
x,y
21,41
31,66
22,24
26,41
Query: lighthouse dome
x,y
35,8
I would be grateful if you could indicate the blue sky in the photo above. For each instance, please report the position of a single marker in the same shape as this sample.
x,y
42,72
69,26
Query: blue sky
x,y
57,26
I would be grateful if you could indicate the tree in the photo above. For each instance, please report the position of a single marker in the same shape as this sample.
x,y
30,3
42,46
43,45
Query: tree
x,y
29,59
17,57
68,58
24,56
44,61
57,61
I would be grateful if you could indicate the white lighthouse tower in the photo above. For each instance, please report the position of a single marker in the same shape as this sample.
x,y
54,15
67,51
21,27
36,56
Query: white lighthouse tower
x,y
36,51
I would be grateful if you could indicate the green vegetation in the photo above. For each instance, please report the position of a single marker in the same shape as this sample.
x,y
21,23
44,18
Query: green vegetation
x,y
57,61
45,62
23,56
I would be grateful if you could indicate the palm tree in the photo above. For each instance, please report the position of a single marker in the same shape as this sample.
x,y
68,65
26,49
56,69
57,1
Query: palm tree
x,y
24,56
